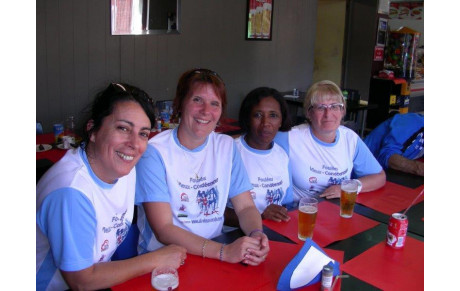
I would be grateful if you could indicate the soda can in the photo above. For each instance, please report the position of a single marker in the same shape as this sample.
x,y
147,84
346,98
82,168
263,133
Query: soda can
x,y
397,230
58,130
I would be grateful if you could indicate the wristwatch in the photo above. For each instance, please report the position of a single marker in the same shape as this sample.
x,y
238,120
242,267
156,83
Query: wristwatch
x,y
360,185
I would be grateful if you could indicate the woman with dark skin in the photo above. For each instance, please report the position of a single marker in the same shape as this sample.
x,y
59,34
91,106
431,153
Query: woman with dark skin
x,y
262,114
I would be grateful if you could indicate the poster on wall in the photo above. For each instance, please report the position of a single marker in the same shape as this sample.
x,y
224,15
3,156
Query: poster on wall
x,y
259,19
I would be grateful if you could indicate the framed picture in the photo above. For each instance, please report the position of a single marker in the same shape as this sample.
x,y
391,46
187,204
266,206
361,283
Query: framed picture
x,y
259,19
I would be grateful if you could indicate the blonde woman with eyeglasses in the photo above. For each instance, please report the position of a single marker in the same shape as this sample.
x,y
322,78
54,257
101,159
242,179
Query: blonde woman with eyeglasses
x,y
323,153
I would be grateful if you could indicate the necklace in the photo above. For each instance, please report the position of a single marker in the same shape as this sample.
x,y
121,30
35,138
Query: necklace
x,y
184,150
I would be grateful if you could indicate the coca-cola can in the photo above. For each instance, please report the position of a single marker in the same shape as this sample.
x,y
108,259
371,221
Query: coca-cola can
x,y
397,230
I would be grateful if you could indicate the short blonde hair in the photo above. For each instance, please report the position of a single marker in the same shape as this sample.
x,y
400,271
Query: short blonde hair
x,y
321,91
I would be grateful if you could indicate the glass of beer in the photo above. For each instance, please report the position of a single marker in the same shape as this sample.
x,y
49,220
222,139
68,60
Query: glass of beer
x,y
308,208
349,191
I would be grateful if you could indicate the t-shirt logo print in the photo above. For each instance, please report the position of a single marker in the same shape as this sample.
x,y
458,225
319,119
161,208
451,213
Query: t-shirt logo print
x,y
122,233
274,196
208,200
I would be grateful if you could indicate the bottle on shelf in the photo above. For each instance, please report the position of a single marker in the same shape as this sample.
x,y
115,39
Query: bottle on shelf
x,y
69,137
157,124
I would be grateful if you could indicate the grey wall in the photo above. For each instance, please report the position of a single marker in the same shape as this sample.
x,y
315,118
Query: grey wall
x,y
360,43
77,56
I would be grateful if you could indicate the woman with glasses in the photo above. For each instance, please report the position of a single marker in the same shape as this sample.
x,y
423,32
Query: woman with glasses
x,y
187,174
323,153
85,202
262,113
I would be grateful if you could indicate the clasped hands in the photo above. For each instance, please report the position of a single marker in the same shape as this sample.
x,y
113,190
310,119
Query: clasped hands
x,y
251,250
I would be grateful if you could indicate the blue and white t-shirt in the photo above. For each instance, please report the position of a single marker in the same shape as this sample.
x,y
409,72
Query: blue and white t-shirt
x,y
403,134
269,172
196,183
316,165
81,220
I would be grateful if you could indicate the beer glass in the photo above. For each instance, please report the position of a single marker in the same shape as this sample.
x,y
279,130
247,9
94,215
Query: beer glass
x,y
348,193
308,208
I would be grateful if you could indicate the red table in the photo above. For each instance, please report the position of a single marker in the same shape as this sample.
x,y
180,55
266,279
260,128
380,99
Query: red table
x,y
330,227
54,154
391,198
209,274
392,269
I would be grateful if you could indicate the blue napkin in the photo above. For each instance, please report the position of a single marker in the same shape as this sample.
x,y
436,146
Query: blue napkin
x,y
305,268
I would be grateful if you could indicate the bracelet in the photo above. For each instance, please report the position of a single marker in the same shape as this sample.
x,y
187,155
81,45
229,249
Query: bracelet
x,y
204,246
255,230
221,253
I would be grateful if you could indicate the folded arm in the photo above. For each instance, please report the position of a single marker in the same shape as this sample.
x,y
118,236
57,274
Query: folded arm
x,y
372,182
369,183
403,164
160,219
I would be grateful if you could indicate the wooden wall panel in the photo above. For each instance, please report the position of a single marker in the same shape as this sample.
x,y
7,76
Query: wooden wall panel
x,y
77,56
53,78
97,49
81,29
66,60
41,65
127,59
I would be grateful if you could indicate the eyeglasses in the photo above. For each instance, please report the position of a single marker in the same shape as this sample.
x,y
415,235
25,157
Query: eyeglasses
x,y
335,107
134,91
144,95
120,86
205,72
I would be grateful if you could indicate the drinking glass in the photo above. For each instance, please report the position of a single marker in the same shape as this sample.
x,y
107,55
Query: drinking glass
x,y
165,278
348,193
308,209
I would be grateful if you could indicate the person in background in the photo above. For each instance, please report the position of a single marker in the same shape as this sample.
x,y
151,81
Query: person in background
x,y
262,113
187,174
397,143
323,153
85,202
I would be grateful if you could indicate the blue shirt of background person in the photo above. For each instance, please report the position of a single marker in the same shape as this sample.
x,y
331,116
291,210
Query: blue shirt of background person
x,y
398,142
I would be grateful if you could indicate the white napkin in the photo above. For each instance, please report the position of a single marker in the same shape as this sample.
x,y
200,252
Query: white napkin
x,y
305,268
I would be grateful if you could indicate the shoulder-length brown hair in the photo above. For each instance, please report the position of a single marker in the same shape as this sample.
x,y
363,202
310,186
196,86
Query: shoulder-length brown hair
x,y
190,79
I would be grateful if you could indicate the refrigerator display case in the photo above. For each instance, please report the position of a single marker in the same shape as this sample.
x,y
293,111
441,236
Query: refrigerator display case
x,y
401,52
